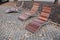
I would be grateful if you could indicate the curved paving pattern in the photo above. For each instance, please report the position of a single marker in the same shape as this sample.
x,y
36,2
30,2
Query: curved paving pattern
x,y
11,27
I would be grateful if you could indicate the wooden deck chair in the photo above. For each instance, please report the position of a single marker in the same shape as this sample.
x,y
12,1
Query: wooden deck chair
x,y
41,19
15,9
27,14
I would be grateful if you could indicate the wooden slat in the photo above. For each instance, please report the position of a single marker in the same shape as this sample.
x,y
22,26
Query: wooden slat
x,y
34,8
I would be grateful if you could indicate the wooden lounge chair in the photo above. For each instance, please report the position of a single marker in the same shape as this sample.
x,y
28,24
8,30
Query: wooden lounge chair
x,y
41,19
27,14
15,9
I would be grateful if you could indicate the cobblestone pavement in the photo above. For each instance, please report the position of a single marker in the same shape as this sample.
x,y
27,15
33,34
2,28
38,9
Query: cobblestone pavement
x,y
14,29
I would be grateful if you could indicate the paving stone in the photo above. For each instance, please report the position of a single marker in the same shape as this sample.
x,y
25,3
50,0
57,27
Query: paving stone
x,y
10,26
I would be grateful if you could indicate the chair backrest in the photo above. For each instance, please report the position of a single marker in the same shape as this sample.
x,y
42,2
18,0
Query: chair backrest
x,y
34,8
45,13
